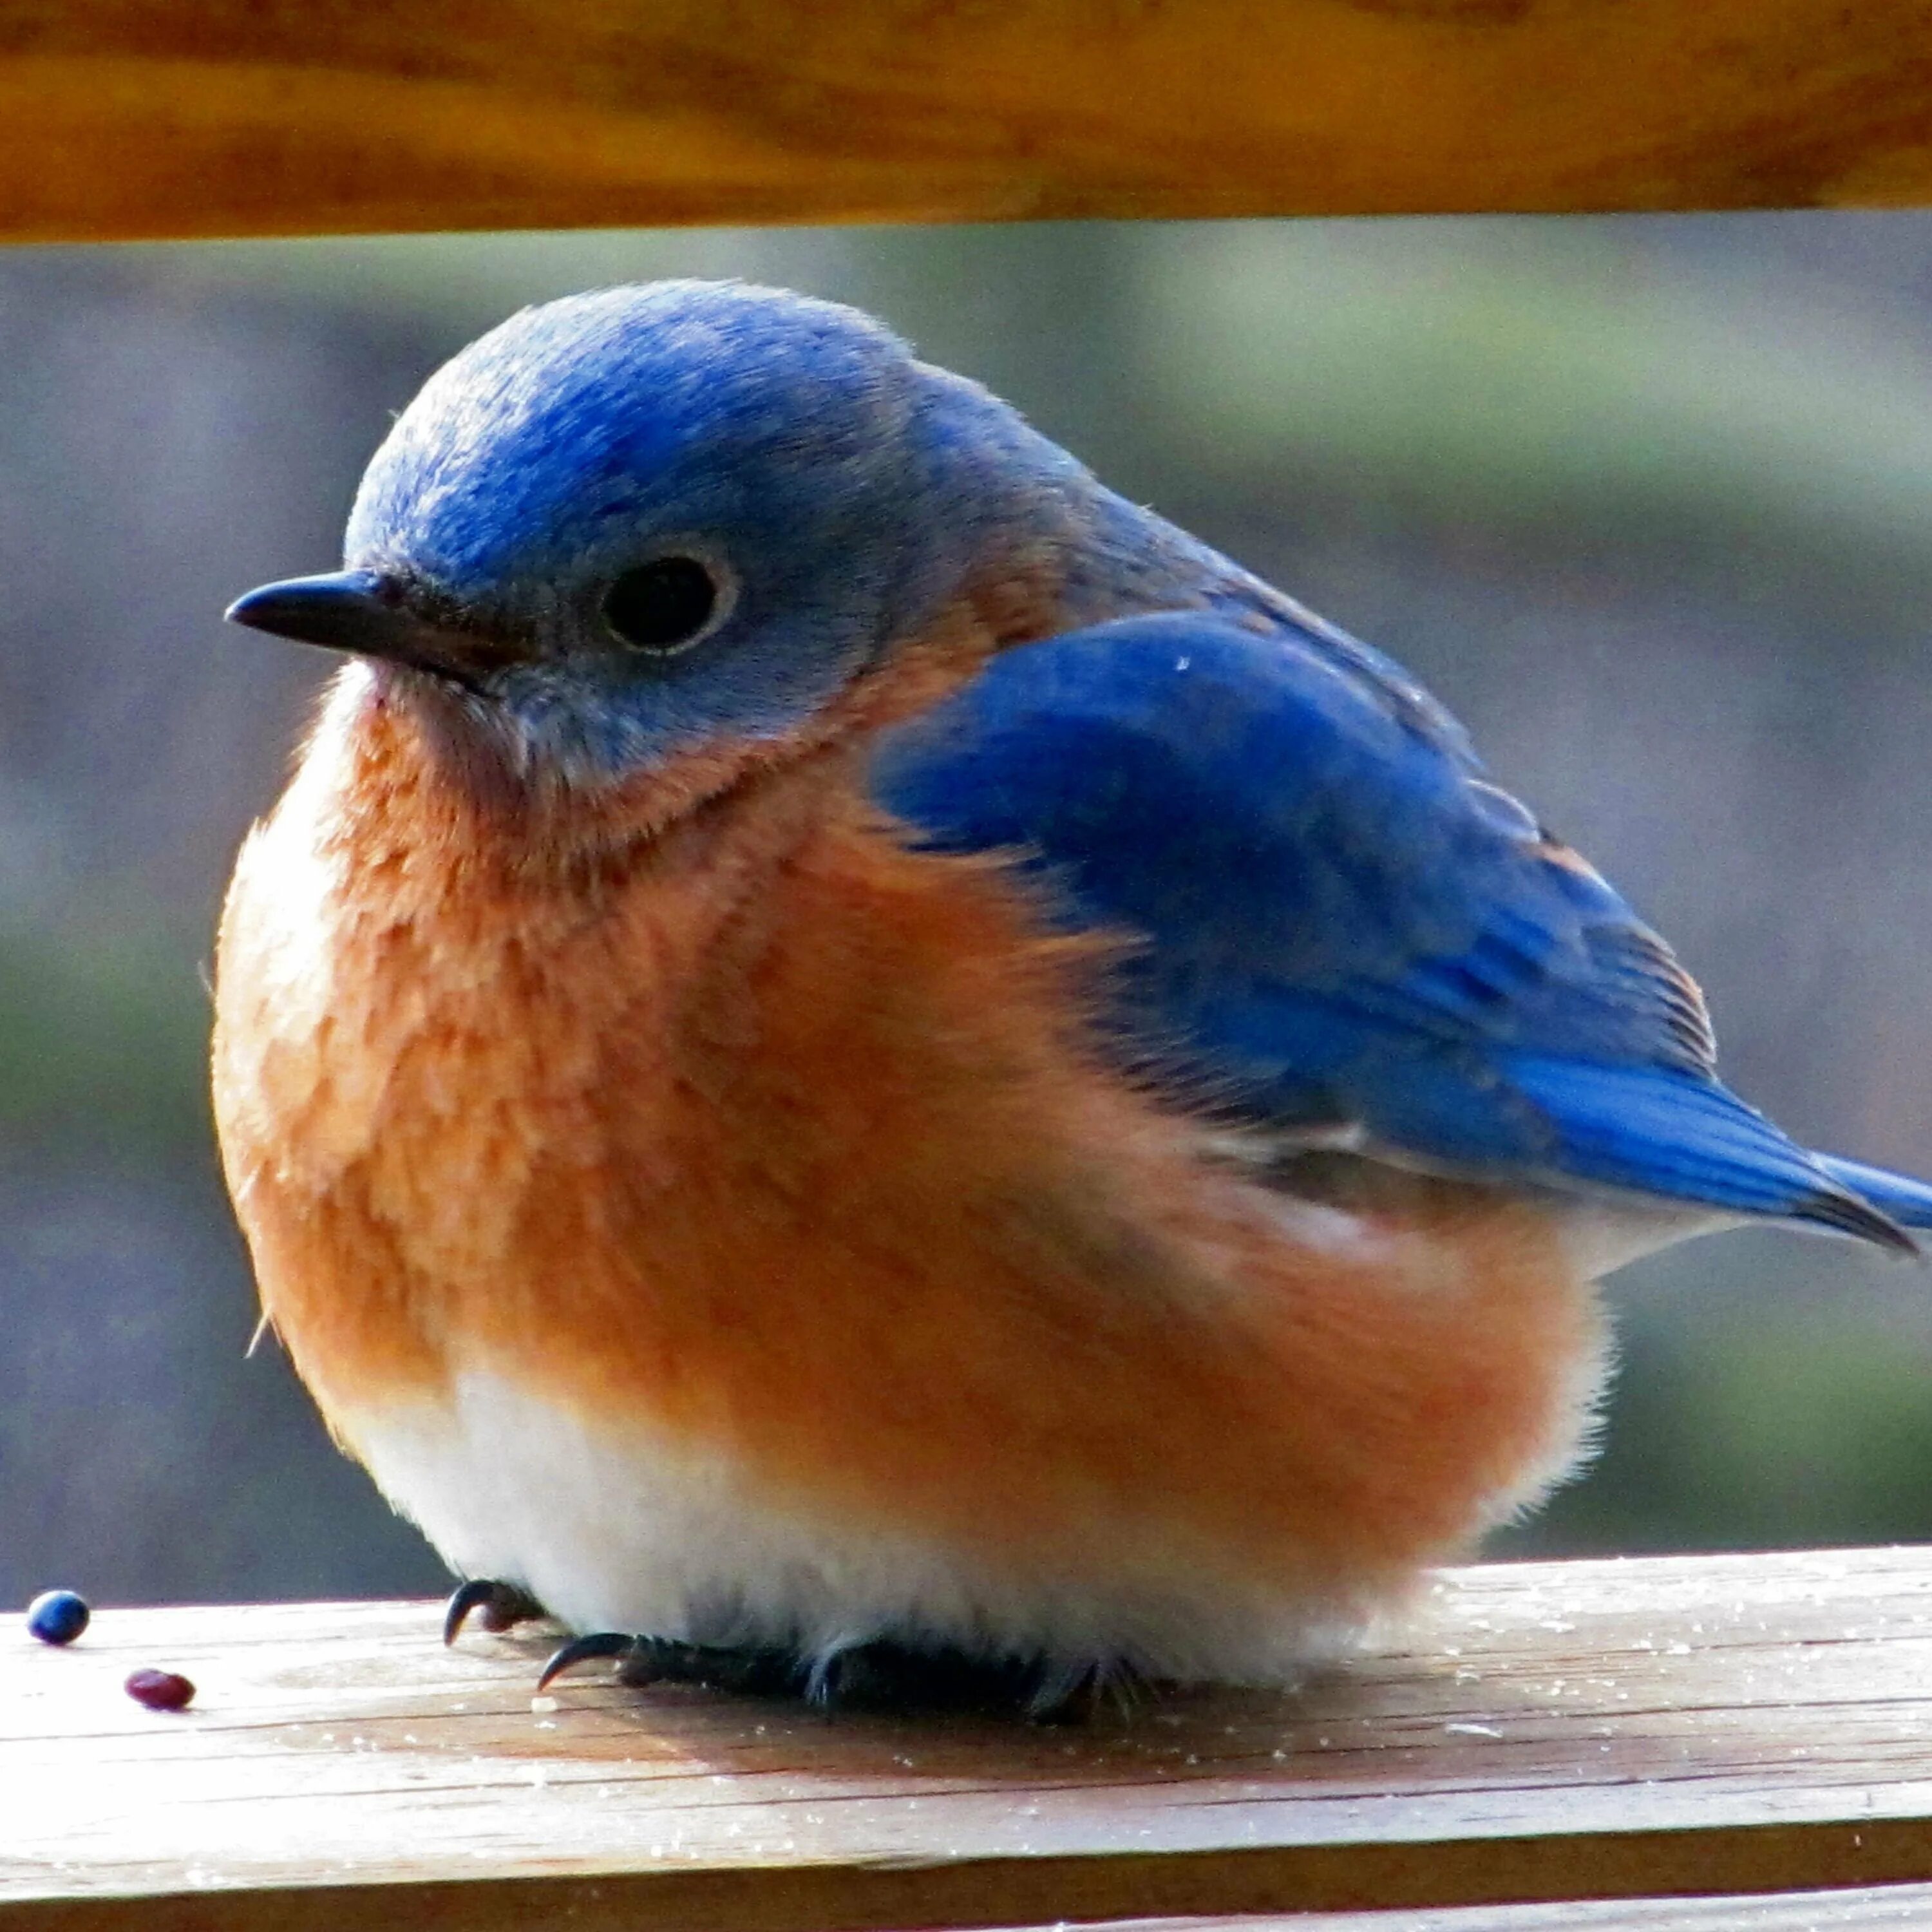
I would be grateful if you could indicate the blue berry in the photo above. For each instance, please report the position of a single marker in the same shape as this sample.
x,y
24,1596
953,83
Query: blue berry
x,y
58,1616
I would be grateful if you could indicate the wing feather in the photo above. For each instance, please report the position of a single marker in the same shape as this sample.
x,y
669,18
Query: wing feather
x,y
1339,923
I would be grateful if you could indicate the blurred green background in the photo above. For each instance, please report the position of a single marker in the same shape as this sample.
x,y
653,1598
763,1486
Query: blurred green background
x,y
1647,500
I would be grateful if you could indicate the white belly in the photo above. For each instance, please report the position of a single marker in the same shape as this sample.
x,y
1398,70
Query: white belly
x,y
627,1533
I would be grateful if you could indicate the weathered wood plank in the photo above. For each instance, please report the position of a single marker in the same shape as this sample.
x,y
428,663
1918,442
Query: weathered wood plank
x,y
146,118
1546,1731
1870,1909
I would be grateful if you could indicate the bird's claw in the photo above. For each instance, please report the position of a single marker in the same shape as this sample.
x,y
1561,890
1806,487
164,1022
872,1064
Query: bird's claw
x,y
580,1650
503,1606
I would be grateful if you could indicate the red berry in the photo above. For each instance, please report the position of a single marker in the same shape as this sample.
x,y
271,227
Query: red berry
x,y
160,1690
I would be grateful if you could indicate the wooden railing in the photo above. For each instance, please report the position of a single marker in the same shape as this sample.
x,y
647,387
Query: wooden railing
x,y
1645,1730
126,118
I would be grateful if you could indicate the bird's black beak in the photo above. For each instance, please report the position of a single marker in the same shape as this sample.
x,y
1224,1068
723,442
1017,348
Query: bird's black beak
x,y
368,613
348,610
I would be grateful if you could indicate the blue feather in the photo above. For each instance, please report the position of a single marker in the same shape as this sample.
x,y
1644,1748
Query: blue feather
x,y
1337,922
1907,1202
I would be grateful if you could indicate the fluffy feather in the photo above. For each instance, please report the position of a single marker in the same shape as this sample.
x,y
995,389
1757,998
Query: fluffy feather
x,y
779,1152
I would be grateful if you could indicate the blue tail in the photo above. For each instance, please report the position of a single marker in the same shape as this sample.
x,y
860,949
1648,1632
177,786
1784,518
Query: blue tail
x,y
1897,1196
1657,1131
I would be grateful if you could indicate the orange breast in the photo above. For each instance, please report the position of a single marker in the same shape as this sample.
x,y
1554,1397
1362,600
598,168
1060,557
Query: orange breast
x,y
782,1138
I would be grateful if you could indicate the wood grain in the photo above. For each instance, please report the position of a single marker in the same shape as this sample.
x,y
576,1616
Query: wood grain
x,y
148,117
1870,1909
1605,1730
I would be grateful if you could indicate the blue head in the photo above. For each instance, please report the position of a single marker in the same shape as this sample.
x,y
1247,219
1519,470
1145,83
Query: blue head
x,y
631,522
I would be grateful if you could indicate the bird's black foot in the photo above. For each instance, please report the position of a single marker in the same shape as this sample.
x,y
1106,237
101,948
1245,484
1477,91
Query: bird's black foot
x,y
883,1677
889,1677
503,1606
643,1661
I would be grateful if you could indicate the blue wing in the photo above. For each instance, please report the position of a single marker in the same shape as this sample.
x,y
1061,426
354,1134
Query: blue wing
x,y
1341,926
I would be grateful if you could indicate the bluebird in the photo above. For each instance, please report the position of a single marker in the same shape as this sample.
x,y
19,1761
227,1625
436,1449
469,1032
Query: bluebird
x,y
857,1067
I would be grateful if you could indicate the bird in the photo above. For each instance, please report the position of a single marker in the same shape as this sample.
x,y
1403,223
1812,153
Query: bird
x,y
863,1071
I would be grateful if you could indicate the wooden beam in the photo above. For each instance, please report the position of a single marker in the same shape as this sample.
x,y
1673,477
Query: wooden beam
x,y
1885,1908
176,118
1545,1732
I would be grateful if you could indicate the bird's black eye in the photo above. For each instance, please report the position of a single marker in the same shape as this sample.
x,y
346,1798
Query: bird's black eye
x,y
661,605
